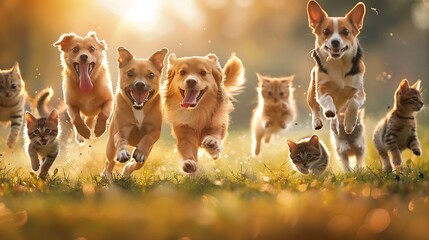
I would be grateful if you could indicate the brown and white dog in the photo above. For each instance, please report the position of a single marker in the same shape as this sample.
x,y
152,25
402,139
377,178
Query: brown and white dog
x,y
198,101
87,86
137,113
337,79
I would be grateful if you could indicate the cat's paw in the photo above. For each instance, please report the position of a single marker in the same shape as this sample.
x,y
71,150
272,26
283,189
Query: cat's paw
x,y
283,125
349,128
317,124
123,155
329,113
268,124
212,146
138,155
190,166
335,126
417,151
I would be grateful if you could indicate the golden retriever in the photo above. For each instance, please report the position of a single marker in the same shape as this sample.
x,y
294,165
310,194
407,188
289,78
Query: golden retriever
x,y
137,113
87,86
198,101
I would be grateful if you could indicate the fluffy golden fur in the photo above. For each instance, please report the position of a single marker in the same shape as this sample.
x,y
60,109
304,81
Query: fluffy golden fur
x,y
198,101
87,86
137,113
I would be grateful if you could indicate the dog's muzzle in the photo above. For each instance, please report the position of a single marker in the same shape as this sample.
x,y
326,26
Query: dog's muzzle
x,y
139,93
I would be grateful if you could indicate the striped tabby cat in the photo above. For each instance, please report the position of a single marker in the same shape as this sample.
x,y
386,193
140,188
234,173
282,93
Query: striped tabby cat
x,y
42,133
397,131
275,111
13,99
309,155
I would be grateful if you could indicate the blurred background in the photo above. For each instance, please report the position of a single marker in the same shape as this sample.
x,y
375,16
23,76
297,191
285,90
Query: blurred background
x,y
272,37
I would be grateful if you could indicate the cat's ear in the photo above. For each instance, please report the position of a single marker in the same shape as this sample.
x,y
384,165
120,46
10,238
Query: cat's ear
x,y
416,85
53,116
404,86
288,79
262,79
29,118
314,140
15,69
291,145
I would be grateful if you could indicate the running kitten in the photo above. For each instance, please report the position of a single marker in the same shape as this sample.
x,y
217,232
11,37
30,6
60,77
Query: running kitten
x,y
42,133
352,144
275,110
13,100
309,155
397,131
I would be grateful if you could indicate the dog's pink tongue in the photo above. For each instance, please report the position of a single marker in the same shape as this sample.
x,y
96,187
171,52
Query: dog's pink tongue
x,y
85,83
139,96
190,98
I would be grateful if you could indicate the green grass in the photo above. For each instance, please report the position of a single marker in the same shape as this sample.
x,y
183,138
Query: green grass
x,y
236,197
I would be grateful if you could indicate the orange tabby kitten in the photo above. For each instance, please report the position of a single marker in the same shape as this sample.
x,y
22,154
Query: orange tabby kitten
x,y
275,110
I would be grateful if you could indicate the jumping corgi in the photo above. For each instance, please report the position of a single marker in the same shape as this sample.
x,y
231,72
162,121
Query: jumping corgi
x,y
337,78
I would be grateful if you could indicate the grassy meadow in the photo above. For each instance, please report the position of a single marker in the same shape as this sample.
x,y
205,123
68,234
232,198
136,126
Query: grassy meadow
x,y
235,197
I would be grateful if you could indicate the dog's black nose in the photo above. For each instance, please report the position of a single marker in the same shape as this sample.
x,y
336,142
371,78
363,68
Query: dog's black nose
x,y
140,86
191,83
83,57
335,43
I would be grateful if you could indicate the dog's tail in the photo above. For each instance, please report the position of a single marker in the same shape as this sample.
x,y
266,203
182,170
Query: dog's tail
x,y
233,73
41,101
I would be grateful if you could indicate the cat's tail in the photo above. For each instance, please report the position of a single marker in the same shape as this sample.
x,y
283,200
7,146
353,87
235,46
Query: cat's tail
x,y
233,73
41,101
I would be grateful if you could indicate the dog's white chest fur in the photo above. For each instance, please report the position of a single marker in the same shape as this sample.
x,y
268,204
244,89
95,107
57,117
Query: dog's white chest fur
x,y
139,116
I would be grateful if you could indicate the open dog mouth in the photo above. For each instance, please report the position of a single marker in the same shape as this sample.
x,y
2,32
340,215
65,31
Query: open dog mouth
x,y
139,97
83,71
191,97
336,52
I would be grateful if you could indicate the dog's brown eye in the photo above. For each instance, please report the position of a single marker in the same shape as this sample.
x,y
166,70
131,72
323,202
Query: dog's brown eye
x,y
182,72
75,49
345,32
326,31
150,75
130,73
203,73
92,49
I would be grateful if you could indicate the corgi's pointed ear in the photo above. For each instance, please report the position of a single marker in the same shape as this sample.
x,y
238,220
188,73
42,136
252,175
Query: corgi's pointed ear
x,y
53,116
29,118
314,140
291,145
102,44
158,58
63,42
124,57
356,15
416,85
404,86
315,14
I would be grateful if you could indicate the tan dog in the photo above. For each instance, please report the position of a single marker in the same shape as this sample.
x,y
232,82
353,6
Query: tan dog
x,y
86,83
337,79
137,114
198,102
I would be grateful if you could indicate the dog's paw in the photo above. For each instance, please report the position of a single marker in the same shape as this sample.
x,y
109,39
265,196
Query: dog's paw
x,y
329,113
83,130
138,155
100,128
349,128
212,146
417,151
79,139
335,127
317,124
123,155
190,166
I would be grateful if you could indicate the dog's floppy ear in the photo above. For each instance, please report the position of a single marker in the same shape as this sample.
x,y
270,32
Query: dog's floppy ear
x,y
124,57
158,58
64,41
101,43
217,70
356,15
315,14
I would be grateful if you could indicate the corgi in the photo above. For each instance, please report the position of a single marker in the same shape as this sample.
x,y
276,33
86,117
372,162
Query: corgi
x,y
337,78
87,87
198,100
137,113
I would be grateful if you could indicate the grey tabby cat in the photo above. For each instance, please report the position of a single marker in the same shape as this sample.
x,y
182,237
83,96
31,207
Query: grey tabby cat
x,y
397,131
309,155
13,100
353,144
42,133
